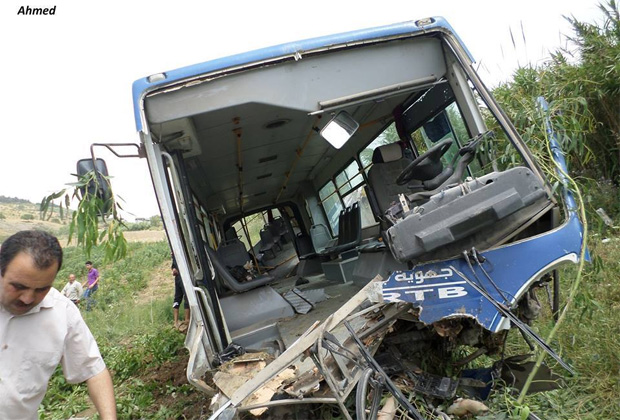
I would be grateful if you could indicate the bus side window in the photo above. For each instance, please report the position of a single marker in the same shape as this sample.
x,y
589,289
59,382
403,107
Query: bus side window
x,y
331,204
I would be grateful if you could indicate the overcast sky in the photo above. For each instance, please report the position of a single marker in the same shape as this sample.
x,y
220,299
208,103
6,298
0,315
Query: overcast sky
x,y
67,77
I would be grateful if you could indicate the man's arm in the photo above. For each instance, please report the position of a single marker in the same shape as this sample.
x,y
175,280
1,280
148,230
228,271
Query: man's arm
x,y
101,392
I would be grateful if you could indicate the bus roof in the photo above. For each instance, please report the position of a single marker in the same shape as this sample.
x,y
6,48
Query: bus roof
x,y
147,84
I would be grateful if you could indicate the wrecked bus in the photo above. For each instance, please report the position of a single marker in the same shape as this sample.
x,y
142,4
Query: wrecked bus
x,y
346,212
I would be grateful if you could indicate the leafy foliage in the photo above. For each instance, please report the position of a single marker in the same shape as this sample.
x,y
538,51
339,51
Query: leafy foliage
x,y
583,91
94,209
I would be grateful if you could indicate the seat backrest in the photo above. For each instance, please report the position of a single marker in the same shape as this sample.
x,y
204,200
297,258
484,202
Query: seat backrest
x,y
279,222
304,246
275,231
230,235
387,163
343,225
351,232
233,253
355,225
266,239
320,236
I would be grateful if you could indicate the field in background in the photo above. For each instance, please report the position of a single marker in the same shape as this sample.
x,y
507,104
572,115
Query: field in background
x,y
21,214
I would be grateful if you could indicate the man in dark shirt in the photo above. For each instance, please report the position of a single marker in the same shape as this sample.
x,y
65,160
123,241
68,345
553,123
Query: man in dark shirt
x,y
179,296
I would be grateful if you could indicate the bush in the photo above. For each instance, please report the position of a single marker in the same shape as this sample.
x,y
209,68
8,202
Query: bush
x,y
156,222
27,216
584,98
2,216
137,226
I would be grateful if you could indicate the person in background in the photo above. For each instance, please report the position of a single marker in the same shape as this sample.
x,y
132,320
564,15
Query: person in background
x,y
40,328
72,290
179,296
91,285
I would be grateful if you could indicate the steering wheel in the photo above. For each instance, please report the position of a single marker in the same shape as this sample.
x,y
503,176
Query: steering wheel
x,y
425,161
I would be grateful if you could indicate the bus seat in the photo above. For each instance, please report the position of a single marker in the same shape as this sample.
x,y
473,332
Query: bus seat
x,y
267,242
344,255
305,248
275,232
233,254
232,283
231,235
321,237
282,229
387,163
349,231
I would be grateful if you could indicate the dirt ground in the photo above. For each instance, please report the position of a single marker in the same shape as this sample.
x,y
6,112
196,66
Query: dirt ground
x,y
171,373
195,404
145,236
160,285
11,226
11,222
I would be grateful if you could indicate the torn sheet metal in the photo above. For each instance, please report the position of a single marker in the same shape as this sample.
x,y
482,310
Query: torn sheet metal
x,y
298,302
439,291
516,369
313,296
334,377
303,301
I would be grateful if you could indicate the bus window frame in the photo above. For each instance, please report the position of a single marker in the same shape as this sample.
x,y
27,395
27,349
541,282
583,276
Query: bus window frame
x,y
363,183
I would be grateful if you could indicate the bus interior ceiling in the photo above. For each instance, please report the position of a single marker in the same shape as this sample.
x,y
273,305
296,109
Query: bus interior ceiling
x,y
250,140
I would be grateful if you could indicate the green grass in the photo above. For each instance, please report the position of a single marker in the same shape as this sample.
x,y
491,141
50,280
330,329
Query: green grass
x,y
588,339
121,279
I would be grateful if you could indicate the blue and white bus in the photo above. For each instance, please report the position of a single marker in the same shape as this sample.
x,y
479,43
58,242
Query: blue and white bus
x,y
350,206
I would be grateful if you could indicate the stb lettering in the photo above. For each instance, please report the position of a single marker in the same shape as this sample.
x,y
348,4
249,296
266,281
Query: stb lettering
x,y
451,292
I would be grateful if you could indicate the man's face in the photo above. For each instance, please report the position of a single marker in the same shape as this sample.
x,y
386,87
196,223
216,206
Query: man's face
x,y
23,285
71,278
89,267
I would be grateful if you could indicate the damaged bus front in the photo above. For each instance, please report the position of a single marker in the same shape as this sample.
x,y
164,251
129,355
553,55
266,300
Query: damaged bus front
x,y
344,211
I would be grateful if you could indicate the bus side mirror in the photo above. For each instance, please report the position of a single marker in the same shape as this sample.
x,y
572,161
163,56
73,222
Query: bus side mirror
x,y
98,186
